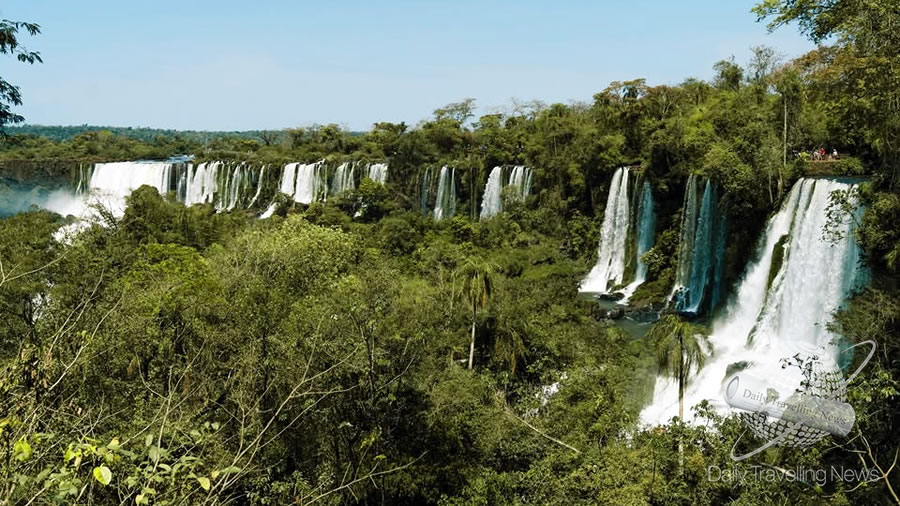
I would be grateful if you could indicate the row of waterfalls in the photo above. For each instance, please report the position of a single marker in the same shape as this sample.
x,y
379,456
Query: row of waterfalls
x,y
233,185
797,278
226,186
438,190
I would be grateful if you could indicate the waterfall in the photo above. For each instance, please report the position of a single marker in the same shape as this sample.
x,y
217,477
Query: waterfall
x,y
610,268
644,236
202,183
377,172
304,182
490,202
85,172
232,188
269,211
520,178
777,302
802,296
700,255
259,185
445,203
225,186
342,180
288,174
111,183
310,182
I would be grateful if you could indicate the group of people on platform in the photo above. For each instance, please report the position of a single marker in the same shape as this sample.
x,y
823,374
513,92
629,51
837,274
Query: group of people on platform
x,y
820,154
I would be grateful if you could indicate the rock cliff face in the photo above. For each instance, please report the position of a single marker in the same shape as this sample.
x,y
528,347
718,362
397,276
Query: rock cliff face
x,y
50,174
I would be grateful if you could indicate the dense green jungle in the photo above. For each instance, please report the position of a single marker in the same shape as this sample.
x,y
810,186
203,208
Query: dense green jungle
x,y
358,351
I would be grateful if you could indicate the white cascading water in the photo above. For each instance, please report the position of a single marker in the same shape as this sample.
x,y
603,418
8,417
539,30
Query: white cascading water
x,y
304,182
645,234
377,172
259,185
234,186
201,183
445,203
342,180
520,178
288,175
111,183
269,211
490,202
814,279
309,182
610,267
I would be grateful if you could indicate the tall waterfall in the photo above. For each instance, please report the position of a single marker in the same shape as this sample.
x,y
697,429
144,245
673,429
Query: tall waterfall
x,y
492,200
111,183
201,183
259,185
520,179
777,302
645,235
610,268
342,180
377,172
304,182
700,264
445,202
235,187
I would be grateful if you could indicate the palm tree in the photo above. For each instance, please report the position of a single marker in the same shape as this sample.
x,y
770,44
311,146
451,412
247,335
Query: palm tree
x,y
679,350
478,280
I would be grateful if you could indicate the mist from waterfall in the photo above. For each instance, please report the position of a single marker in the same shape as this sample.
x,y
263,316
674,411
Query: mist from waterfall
x,y
777,302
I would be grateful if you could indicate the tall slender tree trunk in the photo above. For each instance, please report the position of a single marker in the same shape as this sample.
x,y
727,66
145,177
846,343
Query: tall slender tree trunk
x,y
472,341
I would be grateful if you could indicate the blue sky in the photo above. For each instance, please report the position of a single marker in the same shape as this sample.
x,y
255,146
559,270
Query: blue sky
x,y
239,65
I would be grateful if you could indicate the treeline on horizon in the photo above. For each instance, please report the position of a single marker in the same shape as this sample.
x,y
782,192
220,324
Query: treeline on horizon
x,y
356,352
145,134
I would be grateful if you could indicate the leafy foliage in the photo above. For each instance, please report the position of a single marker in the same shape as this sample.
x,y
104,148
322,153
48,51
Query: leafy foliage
x,y
10,95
